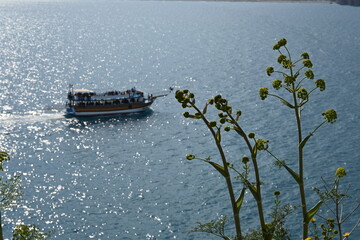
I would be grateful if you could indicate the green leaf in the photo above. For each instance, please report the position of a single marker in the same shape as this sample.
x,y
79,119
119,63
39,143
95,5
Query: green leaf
x,y
194,117
254,152
218,135
4,156
205,108
252,189
240,199
240,131
293,174
303,142
311,213
287,104
219,168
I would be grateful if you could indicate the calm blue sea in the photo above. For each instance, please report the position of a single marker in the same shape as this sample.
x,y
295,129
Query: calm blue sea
x,y
127,177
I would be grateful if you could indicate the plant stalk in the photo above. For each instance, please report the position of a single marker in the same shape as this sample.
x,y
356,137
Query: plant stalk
x,y
227,178
305,226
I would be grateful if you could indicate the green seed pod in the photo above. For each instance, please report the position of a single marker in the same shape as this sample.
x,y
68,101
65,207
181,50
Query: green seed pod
x,y
217,98
251,135
276,192
227,128
211,101
330,220
212,124
227,109
178,94
222,120
186,114
223,101
190,157
245,160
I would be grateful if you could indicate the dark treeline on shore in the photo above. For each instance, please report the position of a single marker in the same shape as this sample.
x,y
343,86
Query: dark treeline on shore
x,y
341,2
348,2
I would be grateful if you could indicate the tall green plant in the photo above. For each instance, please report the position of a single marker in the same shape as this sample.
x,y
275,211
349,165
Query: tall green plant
x,y
293,82
295,76
227,121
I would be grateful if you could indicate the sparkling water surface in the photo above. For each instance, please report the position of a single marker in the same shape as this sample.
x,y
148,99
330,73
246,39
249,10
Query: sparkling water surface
x,y
126,177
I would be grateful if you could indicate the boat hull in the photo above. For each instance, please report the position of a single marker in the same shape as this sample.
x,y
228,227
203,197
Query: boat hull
x,y
106,111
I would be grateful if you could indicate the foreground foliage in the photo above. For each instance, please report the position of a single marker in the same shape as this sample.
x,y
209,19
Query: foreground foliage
x,y
10,194
295,81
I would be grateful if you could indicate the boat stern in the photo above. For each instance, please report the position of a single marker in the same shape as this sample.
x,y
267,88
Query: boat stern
x,y
70,111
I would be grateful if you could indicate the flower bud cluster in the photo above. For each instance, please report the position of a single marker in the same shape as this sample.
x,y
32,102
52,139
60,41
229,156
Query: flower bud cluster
x,y
330,115
289,80
290,77
307,63
320,83
245,160
287,64
277,84
269,71
309,74
186,98
340,172
305,55
281,58
329,228
302,94
221,104
262,144
279,44
263,92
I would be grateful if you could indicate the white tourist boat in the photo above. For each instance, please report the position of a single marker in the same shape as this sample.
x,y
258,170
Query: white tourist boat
x,y
88,103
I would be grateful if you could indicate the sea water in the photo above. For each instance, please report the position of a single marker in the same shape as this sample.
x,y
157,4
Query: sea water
x,y
127,177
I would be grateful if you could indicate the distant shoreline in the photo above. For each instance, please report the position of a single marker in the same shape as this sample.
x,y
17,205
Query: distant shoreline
x,y
274,1
340,2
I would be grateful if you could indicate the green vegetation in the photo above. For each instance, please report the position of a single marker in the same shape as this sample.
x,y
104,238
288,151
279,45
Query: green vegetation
x,y
10,194
297,84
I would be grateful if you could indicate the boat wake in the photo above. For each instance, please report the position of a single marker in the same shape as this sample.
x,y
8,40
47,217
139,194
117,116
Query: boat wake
x,y
31,117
